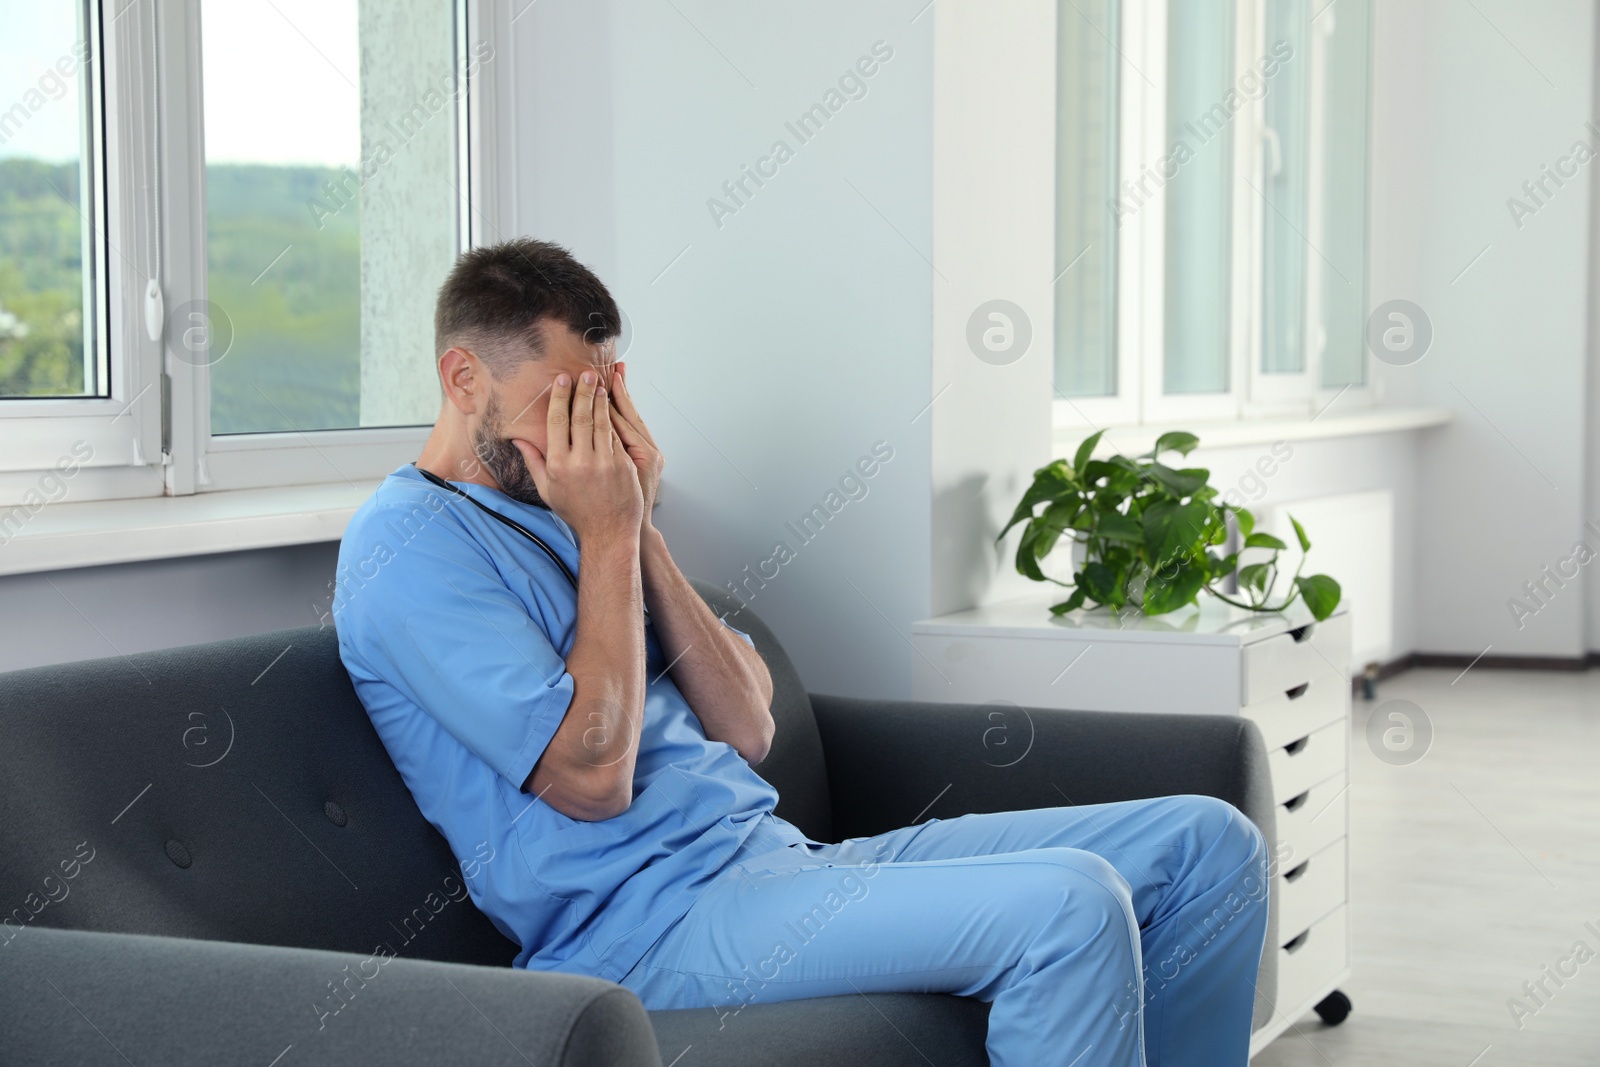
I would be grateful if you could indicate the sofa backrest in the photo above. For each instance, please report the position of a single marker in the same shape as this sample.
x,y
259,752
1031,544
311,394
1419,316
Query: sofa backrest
x,y
794,766
232,791
236,791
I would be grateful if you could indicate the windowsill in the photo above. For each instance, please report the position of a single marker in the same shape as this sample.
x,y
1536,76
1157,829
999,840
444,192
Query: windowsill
x,y
1132,440
94,533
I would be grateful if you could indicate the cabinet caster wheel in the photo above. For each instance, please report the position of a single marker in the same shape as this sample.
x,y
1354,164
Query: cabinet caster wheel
x,y
1334,1008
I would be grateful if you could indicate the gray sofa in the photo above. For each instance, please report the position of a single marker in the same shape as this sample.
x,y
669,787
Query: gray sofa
x,y
206,856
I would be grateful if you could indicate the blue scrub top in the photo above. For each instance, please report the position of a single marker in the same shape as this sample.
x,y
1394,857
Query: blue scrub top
x,y
455,630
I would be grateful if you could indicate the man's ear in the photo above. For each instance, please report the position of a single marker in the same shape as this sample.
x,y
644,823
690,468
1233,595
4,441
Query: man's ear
x,y
462,376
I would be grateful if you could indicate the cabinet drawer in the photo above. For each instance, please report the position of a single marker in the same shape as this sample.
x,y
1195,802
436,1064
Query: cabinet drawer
x,y
1307,760
1293,714
1311,961
1277,664
1312,888
1310,820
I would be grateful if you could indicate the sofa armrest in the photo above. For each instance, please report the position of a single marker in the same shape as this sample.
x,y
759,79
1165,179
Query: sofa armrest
x,y
74,996
888,761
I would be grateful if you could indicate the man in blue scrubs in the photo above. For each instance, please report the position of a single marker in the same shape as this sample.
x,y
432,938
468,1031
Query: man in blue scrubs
x,y
590,761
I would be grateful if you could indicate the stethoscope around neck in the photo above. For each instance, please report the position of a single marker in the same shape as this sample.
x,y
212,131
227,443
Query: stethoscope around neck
x,y
507,520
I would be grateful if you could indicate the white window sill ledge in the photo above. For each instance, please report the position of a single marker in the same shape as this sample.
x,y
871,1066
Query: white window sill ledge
x,y
94,533
1133,440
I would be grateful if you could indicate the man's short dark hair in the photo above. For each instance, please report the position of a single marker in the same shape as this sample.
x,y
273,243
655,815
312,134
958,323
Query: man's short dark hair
x,y
497,297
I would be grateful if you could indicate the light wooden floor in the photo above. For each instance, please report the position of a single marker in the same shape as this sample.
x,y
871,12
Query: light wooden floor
x,y
1471,871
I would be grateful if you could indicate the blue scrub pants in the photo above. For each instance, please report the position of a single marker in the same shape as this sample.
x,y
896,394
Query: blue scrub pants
x,y
1110,935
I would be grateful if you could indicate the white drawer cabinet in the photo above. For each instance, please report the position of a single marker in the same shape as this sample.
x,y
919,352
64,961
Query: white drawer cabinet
x,y
1287,673
1305,761
1304,963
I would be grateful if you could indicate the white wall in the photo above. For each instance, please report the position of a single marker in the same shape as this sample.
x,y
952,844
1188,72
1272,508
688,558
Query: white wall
x,y
772,351
1469,104
136,607
994,98
1336,467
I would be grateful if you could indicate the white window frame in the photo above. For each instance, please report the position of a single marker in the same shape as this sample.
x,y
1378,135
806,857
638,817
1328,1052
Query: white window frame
x,y
1141,283
1277,394
121,431
1365,395
126,429
1138,268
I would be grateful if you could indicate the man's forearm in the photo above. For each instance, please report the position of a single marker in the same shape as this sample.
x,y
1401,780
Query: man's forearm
x,y
724,680
608,656
589,763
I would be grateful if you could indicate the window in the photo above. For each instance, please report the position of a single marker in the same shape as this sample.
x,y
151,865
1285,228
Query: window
x,y
222,226
1226,140
49,306
1086,166
1285,176
1347,66
63,237
1199,198
326,240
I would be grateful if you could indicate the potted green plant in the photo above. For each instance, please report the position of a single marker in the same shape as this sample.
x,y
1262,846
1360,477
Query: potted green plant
x,y
1154,537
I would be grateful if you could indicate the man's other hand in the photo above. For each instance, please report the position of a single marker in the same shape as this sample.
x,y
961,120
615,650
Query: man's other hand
x,y
586,474
637,439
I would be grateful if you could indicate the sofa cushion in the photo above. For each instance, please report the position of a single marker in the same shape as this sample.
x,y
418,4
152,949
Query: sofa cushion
x,y
233,791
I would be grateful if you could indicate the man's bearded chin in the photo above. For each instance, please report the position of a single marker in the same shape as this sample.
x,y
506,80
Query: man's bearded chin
x,y
505,464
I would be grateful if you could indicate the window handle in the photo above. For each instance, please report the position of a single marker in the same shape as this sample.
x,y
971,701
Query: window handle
x,y
155,315
1274,151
